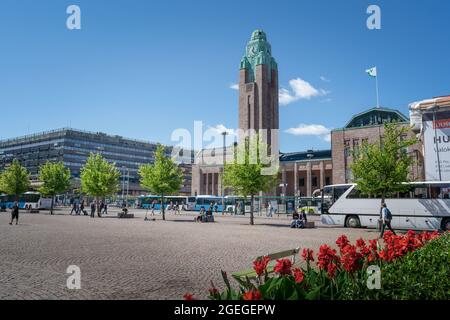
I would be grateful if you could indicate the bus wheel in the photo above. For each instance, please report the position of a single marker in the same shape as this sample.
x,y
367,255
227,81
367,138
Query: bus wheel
x,y
445,224
352,222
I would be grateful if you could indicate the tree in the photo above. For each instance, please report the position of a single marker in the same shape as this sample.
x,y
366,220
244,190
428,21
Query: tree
x,y
55,178
381,168
99,178
163,177
15,180
247,174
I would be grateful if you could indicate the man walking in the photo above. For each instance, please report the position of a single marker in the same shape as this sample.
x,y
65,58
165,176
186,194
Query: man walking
x,y
74,208
386,218
15,213
92,209
102,206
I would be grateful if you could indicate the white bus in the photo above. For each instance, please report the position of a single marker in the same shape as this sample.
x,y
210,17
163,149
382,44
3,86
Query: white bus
x,y
426,206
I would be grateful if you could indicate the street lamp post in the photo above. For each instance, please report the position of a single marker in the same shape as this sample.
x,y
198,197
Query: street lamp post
x,y
128,183
310,155
123,184
224,134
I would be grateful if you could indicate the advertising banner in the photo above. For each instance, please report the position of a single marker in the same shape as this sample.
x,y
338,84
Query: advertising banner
x,y
436,136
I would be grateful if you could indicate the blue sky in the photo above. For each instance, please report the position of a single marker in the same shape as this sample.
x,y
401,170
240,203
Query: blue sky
x,y
144,68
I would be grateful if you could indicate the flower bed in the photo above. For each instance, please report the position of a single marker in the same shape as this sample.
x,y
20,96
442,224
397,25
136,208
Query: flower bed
x,y
412,266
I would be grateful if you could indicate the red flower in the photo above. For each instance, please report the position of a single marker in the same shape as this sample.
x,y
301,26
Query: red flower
x,y
260,265
373,244
351,259
327,260
342,242
331,269
298,275
189,296
360,243
308,255
283,267
362,246
252,295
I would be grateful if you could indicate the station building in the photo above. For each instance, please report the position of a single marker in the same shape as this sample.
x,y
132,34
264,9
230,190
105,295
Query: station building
x,y
368,127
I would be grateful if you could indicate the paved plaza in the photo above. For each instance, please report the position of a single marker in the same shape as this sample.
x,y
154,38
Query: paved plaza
x,y
137,259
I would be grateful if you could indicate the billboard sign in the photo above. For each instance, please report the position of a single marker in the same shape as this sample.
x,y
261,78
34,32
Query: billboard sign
x,y
436,138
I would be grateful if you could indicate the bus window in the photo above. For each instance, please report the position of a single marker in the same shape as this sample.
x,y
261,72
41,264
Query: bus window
x,y
440,192
420,192
327,199
355,194
339,191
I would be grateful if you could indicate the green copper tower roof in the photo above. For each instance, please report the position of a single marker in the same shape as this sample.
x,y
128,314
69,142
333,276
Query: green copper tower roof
x,y
258,51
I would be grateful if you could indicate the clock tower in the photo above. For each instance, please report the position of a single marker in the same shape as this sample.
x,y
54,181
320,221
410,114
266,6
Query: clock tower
x,y
258,88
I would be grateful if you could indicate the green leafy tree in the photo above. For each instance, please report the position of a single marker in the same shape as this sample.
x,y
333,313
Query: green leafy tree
x,y
15,180
381,168
163,177
55,178
252,171
99,178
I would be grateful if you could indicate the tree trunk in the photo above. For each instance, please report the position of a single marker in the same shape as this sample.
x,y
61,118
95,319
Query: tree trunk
x,y
162,207
97,207
251,209
51,206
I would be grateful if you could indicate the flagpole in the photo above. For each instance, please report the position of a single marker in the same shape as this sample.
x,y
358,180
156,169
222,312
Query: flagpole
x,y
376,87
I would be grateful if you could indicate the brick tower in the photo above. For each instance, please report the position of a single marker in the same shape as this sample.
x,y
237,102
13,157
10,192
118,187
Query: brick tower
x,y
258,87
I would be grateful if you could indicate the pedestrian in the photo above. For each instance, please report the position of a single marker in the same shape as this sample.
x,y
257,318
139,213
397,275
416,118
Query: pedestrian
x,y
153,207
15,213
216,207
210,208
102,206
82,208
92,209
74,208
269,209
105,208
386,218
177,208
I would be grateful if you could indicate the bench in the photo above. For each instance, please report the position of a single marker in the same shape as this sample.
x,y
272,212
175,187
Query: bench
x,y
207,218
251,274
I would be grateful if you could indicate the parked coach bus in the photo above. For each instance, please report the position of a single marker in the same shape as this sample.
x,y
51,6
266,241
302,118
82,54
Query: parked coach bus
x,y
145,202
426,206
28,200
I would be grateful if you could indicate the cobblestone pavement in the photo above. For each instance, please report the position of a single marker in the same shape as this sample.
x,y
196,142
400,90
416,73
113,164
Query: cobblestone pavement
x,y
137,259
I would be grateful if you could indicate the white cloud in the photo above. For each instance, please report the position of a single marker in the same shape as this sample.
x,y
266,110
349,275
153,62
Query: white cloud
x,y
300,89
324,79
317,130
221,128
234,86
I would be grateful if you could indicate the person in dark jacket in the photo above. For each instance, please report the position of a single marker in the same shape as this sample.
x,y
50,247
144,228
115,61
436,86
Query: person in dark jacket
x,y
92,209
15,213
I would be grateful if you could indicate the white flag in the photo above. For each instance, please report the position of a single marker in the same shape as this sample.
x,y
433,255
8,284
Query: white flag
x,y
372,72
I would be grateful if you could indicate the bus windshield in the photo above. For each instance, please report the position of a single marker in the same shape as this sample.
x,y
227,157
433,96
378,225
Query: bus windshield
x,y
330,194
